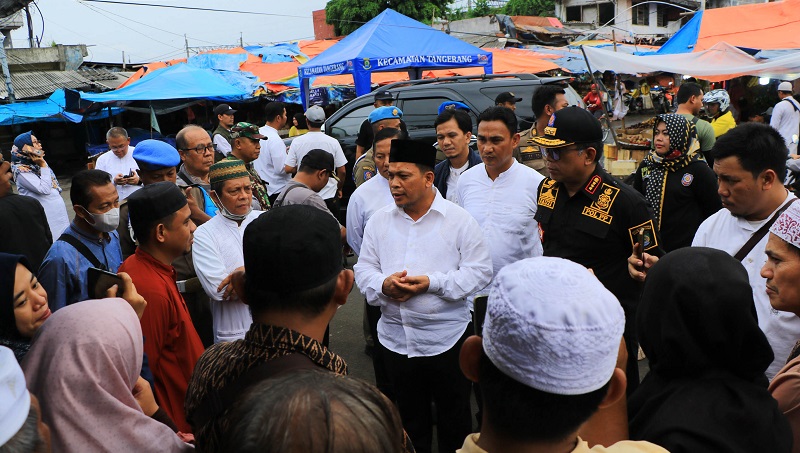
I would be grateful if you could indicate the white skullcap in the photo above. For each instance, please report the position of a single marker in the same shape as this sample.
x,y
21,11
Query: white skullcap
x,y
787,227
551,325
15,401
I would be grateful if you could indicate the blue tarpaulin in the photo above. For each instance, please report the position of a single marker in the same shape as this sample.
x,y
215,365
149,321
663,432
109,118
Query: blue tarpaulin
x,y
277,53
180,81
50,109
392,42
684,40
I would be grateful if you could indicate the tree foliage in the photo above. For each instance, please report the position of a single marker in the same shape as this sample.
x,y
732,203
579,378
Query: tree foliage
x,y
529,8
347,15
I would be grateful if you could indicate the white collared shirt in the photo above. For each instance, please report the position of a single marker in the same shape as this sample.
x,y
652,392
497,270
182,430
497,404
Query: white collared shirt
x,y
216,253
114,166
725,232
368,199
270,162
446,245
317,140
452,182
504,208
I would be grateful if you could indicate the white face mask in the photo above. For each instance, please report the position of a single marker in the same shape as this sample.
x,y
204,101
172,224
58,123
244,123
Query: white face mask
x,y
105,222
228,214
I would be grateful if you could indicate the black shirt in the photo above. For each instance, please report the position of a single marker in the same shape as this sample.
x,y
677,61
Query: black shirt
x,y
24,229
690,197
365,135
597,228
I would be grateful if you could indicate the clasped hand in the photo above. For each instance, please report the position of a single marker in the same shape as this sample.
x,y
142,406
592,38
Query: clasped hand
x,y
400,286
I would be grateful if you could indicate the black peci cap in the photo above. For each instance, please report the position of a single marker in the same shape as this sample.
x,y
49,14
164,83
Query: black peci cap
x,y
154,202
412,151
292,248
568,126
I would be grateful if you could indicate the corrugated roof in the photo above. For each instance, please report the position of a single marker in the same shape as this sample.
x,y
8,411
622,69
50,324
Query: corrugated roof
x,y
39,84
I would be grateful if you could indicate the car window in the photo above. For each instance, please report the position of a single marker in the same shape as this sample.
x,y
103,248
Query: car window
x,y
349,124
420,113
525,92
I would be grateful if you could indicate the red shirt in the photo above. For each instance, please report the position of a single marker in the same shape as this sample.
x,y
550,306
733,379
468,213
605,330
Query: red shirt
x,y
593,98
171,342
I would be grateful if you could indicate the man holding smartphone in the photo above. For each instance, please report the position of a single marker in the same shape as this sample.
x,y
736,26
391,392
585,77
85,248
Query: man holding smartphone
x,y
119,163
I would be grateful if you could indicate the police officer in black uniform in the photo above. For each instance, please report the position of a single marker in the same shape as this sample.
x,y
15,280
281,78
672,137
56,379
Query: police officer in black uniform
x,y
587,216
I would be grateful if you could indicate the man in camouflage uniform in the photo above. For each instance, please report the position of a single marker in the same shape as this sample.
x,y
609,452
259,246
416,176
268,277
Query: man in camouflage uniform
x,y
247,147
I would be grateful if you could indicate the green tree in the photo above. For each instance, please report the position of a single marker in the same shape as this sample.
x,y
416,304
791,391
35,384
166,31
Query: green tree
x,y
482,8
347,15
529,8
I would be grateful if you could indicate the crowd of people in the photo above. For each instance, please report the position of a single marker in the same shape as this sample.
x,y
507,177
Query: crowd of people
x,y
187,304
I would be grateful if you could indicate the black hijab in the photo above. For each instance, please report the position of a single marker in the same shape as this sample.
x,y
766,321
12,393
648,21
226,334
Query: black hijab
x,y
706,390
9,335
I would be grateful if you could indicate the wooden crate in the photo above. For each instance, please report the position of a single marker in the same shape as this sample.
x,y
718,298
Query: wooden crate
x,y
610,151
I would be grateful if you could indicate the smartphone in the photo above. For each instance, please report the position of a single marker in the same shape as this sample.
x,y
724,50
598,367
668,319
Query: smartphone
x,y
479,314
100,281
640,241
130,175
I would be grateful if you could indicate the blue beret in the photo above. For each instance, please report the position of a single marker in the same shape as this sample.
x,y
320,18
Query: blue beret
x,y
23,139
385,113
455,105
153,155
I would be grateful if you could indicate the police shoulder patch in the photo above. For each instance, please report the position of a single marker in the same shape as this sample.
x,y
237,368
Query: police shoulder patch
x,y
687,179
650,240
368,173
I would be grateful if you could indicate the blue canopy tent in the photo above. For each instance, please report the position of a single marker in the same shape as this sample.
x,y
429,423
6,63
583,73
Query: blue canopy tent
x,y
391,42
50,109
180,81
684,40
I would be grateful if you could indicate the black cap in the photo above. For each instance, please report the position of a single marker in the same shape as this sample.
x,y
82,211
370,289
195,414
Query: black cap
x,y
154,202
292,248
319,159
384,95
412,151
507,97
568,126
224,109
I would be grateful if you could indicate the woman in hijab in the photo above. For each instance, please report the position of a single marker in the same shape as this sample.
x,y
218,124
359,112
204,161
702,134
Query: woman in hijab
x,y
677,182
706,390
35,179
23,304
84,366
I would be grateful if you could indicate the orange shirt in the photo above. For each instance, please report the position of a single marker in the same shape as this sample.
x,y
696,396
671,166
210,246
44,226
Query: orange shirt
x,y
171,342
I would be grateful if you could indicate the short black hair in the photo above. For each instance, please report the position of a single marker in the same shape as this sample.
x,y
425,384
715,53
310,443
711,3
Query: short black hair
x,y
545,95
504,114
82,183
598,147
758,146
274,109
142,232
348,415
687,90
523,414
462,119
386,133
310,301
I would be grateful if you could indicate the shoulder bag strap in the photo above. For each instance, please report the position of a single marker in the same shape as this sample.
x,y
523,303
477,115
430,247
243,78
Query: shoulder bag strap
x,y
82,249
279,201
758,235
217,401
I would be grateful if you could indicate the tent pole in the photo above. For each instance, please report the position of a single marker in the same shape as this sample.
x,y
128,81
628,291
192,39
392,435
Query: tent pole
x,y
605,110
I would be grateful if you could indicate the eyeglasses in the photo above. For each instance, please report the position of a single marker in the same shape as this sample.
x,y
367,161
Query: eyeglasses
x,y
202,149
555,153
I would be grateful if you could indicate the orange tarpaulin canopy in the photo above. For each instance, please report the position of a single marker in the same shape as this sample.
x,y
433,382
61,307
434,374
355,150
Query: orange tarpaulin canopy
x,y
757,26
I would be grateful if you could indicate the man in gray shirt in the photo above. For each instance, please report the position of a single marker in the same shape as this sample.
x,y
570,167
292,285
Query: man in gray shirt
x,y
316,168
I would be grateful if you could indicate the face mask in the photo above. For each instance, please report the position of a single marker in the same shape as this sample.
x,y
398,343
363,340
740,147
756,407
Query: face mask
x,y
106,222
227,214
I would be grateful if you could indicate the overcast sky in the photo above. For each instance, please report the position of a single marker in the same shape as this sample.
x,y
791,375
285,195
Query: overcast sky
x,y
152,33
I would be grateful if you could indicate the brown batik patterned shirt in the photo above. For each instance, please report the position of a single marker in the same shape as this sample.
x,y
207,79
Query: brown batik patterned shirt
x,y
222,363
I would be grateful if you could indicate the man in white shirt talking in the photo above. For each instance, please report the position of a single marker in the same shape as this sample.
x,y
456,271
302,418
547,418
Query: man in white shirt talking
x,y
420,260
786,116
269,163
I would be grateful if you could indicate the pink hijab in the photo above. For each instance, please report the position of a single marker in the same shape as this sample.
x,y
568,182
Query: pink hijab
x,y
83,365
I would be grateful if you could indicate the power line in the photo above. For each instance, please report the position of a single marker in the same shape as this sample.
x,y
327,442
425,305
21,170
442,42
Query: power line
x,y
194,8
130,28
153,27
